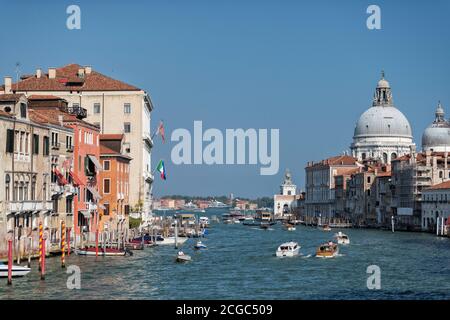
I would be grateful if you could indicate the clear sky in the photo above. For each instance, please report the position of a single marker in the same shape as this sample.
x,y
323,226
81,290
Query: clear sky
x,y
307,68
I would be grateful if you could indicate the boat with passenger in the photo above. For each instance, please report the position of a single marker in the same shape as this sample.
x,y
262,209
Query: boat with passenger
x,y
288,249
329,249
342,238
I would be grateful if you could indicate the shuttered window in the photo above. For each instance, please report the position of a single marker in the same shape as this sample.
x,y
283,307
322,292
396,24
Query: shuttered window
x,y
10,140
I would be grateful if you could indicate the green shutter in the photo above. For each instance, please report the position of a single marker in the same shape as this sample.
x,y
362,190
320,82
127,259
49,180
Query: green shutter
x,y
10,140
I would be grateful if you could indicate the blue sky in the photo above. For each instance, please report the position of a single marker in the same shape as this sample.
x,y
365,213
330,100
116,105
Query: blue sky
x,y
307,68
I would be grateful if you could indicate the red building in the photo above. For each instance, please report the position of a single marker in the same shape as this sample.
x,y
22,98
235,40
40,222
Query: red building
x,y
85,166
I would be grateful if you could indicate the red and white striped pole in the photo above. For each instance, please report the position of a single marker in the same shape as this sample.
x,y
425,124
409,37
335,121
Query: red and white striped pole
x,y
63,244
41,234
10,260
96,236
43,260
68,241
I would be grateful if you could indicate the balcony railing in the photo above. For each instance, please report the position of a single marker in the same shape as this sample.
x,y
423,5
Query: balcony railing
x,y
79,112
17,206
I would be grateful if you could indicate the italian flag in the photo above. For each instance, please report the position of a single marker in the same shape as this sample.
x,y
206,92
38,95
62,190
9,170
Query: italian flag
x,y
161,169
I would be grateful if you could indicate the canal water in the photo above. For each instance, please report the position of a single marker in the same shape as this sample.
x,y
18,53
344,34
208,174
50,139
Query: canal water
x,y
240,264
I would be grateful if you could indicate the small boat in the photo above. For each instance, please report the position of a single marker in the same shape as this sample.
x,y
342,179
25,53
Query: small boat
x,y
327,250
104,252
135,246
342,238
289,227
264,226
326,228
170,240
200,245
181,257
288,249
17,271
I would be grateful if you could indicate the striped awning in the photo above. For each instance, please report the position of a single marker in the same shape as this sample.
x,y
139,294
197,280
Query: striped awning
x,y
76,179
96,162
95,193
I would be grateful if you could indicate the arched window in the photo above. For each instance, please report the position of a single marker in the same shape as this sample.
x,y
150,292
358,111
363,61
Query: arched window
x,y
363,156
7,187
440,174
393,156
385,157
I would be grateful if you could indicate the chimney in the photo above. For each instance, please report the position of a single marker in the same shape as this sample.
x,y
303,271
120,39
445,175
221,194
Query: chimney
x,y
51,73
8,84
88,69
38,73
427,157
81,72
61,120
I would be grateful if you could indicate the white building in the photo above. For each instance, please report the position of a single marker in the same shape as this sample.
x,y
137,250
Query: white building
x,y
436,208
287,199
382,132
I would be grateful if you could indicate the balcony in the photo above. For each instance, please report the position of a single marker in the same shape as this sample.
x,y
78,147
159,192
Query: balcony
x,y
148,176
148,139
69,148
79,112
20,206
56,145
120,196
91,206
70,189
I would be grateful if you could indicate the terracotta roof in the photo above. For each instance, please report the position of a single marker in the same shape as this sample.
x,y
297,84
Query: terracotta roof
x,y
384,174
105,150
343,160
50,116
10,97
44,97
67,79
443,185
111,136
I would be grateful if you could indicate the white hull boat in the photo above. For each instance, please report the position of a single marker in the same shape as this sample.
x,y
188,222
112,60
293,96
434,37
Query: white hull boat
x,y
342,238
288,249
171,240
17,271
183,258
109,252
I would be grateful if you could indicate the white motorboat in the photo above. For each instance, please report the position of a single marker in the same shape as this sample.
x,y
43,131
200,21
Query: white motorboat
x,y
170,240
200,245
204,222
288,249
182,257
17,271
342,238
103,252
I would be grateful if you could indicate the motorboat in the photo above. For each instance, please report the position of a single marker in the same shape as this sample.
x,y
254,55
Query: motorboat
x,y
170,240
288,249
326,228
190,207
264,226
200,245
342,238
104,252
182,257
327,250
204,222
289,227
17,271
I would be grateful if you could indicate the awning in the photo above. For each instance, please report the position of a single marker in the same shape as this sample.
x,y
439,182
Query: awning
x,y
76,179
94,193
102,206
85,213
61,179
96,162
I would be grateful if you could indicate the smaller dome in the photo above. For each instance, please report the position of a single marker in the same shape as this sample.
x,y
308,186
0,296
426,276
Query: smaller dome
x,y
437,136
383,83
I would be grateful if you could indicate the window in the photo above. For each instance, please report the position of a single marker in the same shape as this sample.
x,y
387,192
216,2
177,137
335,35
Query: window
x,y
10,141
127,147
46,146
55,142
97,108
106,164
106,185
106,210
33,188
23,110
127,127
89,166
127,108
7,186
368,179
35,144
69,145
69,205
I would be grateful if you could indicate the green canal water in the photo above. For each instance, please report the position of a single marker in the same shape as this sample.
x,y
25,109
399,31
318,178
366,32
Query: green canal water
x,y
240,264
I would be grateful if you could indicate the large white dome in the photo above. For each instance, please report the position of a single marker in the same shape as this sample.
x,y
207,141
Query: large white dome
x,y
382,122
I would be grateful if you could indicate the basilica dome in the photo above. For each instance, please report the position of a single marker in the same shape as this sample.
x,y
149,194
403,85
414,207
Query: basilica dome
x,y
382,121
437,136
382,132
